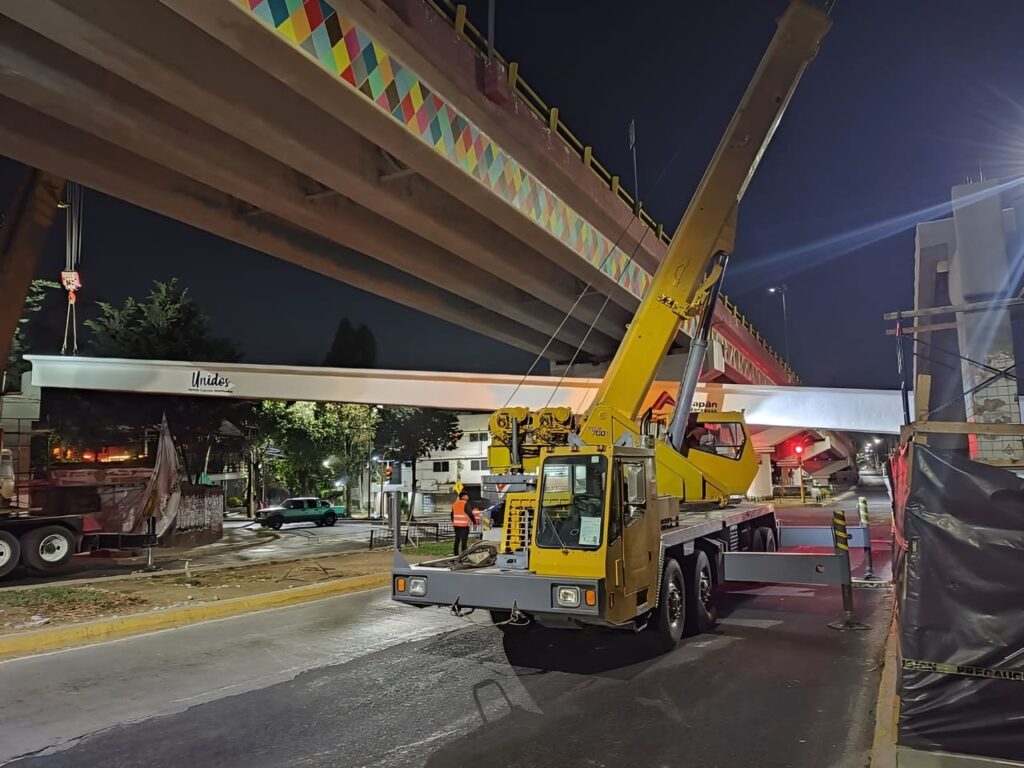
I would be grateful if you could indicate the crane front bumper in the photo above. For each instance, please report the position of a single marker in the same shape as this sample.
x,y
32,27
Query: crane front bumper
x,y
497,590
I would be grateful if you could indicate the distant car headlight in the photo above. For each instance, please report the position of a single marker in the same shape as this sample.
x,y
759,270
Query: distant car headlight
x,y
417,586
568,597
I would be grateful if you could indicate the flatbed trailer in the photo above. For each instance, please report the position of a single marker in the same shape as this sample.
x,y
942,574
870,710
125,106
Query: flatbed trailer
x,y
453,584
46,543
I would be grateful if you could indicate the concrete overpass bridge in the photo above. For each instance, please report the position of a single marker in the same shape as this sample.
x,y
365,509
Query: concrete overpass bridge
x,y
367,140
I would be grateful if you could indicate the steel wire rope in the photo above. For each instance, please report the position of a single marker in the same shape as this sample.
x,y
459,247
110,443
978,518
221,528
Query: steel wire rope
x,y
72,259
633,218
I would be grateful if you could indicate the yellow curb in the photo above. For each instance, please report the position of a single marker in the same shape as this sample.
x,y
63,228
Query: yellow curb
x,y
883,748
56,638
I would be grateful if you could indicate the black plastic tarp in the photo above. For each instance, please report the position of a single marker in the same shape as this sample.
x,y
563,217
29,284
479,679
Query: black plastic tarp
x,y
959,529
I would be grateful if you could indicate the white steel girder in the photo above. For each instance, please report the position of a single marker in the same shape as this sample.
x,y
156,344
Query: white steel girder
x,y
852,410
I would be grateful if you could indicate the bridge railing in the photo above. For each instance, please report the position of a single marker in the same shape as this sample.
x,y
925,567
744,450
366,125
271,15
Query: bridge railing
x,y
455,15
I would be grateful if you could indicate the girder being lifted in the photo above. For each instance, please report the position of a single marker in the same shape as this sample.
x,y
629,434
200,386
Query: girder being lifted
x,y
849,410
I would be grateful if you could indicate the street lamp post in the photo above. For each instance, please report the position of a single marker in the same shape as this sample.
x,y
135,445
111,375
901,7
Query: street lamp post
x,y
781,291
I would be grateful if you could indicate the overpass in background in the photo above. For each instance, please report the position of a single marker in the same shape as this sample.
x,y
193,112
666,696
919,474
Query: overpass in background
x,y
368,140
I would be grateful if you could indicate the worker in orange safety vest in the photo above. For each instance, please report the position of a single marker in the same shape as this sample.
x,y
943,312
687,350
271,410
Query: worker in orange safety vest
x,y
463,517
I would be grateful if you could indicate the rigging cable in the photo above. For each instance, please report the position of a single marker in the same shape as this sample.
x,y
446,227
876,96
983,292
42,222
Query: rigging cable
x,y
590,283
70,278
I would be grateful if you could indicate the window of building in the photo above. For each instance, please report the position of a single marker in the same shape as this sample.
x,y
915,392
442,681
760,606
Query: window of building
x,y
441,466
478,437
478,465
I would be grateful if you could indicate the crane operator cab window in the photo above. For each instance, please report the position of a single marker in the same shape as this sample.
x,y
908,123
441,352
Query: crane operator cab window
x,y
720,438
572,502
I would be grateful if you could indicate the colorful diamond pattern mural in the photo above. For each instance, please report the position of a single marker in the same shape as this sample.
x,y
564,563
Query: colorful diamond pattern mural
x,y
346,51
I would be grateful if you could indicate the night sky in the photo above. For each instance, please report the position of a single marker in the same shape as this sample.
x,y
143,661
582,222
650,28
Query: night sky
x,y
906,99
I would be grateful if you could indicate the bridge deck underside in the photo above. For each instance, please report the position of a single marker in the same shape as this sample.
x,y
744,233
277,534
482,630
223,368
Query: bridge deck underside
x,y
192,110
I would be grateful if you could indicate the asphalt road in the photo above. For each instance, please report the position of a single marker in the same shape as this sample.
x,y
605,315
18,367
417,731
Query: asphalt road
x,y
360,681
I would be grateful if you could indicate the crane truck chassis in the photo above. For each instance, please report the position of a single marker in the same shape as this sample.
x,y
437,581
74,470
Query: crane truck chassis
x,y
689,561
624,521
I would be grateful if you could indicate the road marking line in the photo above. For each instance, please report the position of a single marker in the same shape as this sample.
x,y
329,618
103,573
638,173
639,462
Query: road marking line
x,y
756,623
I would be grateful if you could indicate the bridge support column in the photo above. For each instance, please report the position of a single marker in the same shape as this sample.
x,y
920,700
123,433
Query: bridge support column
x,y
761,488
21,240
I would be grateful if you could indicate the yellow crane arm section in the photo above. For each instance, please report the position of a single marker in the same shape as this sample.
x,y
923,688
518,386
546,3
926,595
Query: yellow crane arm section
x,y
681,281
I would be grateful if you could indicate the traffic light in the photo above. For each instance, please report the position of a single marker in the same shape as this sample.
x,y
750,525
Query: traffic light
x,y
387,472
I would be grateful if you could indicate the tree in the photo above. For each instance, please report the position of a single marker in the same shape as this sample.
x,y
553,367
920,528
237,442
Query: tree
x,y
37,293
413,433
352,347
319,441
166,325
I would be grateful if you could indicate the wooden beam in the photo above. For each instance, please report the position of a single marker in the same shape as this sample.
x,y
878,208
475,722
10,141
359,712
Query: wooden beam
x,y
922,397
923,329
977,306
968,428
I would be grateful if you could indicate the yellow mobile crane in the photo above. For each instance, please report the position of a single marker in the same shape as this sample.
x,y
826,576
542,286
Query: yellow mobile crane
x,y
617,525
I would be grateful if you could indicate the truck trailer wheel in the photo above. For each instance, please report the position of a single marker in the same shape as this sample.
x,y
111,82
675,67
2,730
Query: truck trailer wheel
x,y
47,548
763,540
700,612
10,551
669,618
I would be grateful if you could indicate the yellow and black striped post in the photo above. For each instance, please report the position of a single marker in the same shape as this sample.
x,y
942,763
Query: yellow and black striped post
x,y
865,522
841,539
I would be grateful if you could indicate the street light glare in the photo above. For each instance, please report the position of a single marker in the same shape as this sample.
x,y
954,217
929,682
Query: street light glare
x,y
878,440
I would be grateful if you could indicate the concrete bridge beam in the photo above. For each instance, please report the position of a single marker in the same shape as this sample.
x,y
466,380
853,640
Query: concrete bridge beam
x,y
245,35
57,82
143,42
46,143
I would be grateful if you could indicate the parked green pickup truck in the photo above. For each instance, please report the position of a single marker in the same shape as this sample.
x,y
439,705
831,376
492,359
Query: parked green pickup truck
x,y
300,510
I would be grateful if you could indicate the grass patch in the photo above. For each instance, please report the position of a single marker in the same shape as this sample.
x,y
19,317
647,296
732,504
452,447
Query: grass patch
x,y
59,598
440,548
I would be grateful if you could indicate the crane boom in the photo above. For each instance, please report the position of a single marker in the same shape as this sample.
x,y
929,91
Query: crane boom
x,y
600,522
707,227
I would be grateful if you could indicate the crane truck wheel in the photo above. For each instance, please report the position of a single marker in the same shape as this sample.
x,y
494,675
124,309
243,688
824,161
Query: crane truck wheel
x,y
669,617
763,540
47,548
10,551
767,537
700,611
